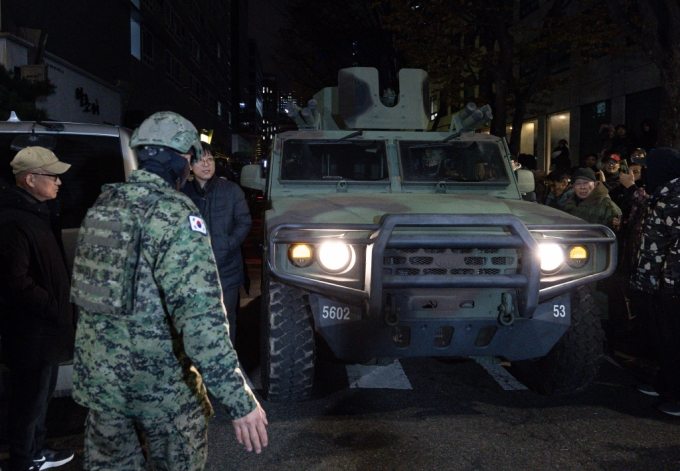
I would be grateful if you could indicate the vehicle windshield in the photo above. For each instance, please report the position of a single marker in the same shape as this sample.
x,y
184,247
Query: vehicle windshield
x,y
334,160
458,161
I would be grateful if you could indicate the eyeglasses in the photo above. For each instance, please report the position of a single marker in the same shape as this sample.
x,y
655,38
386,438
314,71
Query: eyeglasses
x,y
206,161
582,183
51,175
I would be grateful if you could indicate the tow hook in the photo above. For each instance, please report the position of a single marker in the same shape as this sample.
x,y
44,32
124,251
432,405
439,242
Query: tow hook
x,y
506,315
391,312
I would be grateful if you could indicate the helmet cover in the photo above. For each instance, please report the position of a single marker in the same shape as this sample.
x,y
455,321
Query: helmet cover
x,y
168,129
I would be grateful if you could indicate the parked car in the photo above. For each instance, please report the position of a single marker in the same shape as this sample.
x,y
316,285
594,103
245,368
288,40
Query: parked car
x,y
98,154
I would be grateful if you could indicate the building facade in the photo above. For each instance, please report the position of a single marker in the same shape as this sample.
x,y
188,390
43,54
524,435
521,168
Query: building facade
x,y
620,88
161,55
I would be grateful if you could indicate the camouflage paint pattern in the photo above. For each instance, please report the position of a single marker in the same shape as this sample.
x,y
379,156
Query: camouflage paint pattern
x,y
111,442
658,261
147,364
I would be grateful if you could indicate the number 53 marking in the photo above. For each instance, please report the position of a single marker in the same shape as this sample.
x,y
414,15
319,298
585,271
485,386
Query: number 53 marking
x,y
559,310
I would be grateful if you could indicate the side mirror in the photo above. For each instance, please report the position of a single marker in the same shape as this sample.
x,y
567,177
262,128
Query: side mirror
x,y
251,177
525,181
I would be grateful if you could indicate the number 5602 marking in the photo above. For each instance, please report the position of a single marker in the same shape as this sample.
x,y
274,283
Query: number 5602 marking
x,y
332,312
559,310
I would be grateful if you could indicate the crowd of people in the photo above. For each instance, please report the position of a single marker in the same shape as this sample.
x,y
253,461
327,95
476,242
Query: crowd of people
x,y
635,191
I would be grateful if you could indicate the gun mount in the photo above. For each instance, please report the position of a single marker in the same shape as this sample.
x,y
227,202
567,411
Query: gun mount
x,y
356,103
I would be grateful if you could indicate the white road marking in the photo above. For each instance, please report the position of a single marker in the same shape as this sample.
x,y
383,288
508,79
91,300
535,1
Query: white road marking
x,y
503,377
378,377
394,377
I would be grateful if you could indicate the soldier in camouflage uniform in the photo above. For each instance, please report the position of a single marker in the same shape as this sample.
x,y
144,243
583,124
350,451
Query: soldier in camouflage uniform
x,y
151,317
657,273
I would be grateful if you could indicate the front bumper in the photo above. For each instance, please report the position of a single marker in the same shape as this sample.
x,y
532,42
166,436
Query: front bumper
x,y
484,314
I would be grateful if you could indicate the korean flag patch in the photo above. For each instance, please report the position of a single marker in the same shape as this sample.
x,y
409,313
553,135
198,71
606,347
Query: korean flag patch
x,y
197,224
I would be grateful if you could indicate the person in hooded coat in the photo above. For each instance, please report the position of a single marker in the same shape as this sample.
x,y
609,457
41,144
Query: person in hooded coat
x,y
657,274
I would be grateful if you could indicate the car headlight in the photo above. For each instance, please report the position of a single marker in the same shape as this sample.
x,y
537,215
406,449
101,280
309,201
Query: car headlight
x,y
552,257
334,256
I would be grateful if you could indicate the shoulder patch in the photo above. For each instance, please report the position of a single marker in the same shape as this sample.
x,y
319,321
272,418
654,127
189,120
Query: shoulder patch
x,y
197,224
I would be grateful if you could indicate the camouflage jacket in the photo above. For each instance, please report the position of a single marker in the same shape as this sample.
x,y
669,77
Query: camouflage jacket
x,y
147,363
597,208
657,264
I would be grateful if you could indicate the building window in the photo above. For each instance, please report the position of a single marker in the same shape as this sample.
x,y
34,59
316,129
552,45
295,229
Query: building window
x,y
212,103
434,106
558,129
194,48
209,70
173,69
135,39
147,46
219,109
195,88
174,25
558,61
527,7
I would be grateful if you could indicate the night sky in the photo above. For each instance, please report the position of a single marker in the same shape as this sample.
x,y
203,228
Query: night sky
x,y
263,23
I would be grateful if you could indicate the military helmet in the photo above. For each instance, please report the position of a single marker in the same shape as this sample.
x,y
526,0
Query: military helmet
x,y
167,129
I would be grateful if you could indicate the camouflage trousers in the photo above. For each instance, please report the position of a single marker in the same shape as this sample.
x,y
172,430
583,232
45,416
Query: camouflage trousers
x,y
114,442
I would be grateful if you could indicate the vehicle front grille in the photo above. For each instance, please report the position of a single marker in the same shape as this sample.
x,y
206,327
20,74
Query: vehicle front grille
x,y
466,261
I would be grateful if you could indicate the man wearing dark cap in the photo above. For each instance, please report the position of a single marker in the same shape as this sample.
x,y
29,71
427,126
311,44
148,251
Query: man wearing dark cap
x,y
38,322
591,201
611,166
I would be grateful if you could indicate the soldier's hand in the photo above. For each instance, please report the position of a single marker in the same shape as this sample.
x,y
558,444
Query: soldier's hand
x,y
627,179
250,430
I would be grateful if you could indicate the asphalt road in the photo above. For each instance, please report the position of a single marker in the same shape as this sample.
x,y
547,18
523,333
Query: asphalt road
x,y
448,415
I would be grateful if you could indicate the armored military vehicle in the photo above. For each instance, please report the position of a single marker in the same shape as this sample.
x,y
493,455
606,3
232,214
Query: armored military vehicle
x,y
384,241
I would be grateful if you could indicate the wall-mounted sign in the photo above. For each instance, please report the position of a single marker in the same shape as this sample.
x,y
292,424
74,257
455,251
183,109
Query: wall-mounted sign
x,y
34,73
85,104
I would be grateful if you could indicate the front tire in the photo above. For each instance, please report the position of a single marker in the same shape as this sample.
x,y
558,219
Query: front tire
x,y
288,348
574,362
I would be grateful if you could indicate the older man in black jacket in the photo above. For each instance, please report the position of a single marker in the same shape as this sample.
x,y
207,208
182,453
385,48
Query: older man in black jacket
x,y
224,208
37,324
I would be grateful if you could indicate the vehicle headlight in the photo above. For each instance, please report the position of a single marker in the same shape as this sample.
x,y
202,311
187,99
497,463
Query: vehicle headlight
x,y
334,256
578,256
300,255
552,257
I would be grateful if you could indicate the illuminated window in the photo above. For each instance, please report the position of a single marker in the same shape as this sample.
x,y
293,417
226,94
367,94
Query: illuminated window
x,y
135,39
